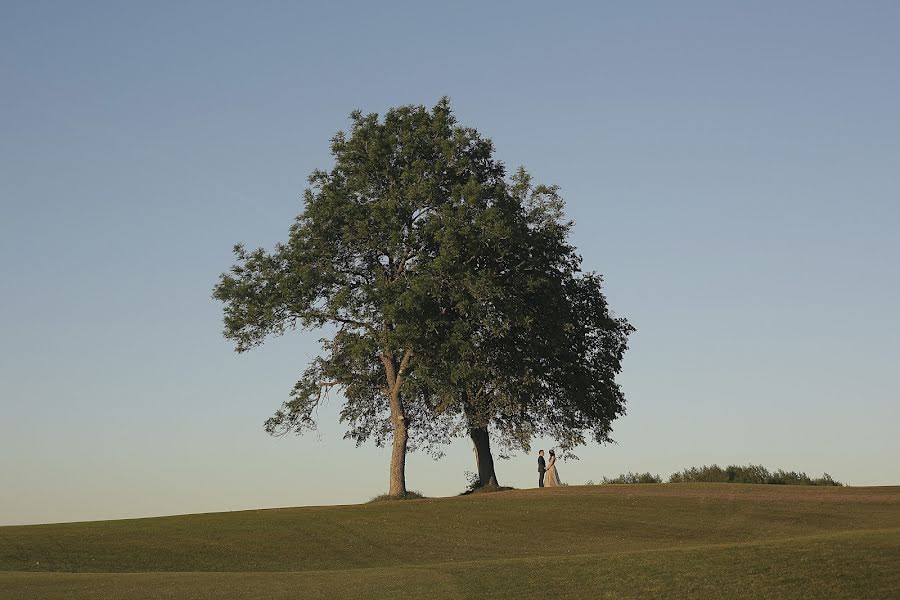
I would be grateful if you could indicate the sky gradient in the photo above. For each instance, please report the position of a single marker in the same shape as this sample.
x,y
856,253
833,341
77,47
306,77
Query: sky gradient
x,y
733,170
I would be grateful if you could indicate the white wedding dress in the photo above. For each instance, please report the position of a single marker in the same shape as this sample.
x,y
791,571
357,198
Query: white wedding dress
x,y
551,477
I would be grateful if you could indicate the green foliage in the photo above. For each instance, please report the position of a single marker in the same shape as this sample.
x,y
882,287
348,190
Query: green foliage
x,y
749,474
475,486
363,257
472,482
453,293
408,495
630,477
527,345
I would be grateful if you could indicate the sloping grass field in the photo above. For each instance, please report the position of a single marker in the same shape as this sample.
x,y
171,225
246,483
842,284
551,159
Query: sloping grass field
x,y
616,541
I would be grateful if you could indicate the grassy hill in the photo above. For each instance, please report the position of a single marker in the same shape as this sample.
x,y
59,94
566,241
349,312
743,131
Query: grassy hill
x,y
667,540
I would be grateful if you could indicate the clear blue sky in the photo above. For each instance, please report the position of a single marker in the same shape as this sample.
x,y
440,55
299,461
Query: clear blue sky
x,y
733,170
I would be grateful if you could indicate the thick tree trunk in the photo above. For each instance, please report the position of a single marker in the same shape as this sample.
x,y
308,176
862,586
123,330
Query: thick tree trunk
x,y
398,453
399,421
483,458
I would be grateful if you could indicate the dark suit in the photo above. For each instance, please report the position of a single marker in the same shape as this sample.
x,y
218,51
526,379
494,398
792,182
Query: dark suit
x,y
542,466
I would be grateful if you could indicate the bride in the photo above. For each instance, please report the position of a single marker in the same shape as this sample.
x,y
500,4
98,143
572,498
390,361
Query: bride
x,y
552,477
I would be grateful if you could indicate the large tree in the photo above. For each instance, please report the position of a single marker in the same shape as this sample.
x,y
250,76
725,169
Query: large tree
x,y
525,344
358,259
456,302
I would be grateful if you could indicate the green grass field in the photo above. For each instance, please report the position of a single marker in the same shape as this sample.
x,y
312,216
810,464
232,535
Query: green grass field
x,y
666,541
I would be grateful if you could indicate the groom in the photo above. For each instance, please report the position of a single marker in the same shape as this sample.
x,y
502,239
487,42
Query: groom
x,y
542,466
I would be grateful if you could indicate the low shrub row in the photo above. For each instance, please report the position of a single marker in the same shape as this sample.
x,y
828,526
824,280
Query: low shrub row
x,y
730,474
630,477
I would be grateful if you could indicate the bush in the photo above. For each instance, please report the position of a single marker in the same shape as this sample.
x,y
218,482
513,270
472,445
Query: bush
x,y
630,477
749,474
474,485
473,482
704,474
410,495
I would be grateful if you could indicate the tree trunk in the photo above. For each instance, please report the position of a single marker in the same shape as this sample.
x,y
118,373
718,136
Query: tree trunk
x,y
398,453
483,458
399,421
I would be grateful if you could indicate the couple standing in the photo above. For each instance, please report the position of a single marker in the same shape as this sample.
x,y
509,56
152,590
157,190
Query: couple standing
x,y
547,474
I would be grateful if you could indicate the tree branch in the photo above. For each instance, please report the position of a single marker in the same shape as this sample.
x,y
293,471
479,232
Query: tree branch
x,y
403,364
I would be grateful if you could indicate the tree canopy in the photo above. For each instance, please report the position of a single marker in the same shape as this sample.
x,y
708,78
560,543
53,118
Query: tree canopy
x,y
453,298
527,345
